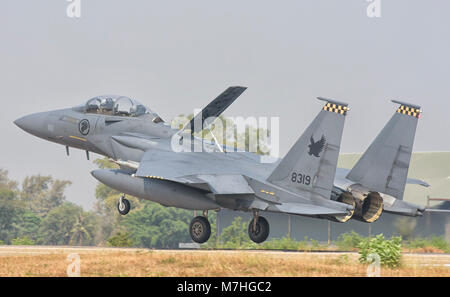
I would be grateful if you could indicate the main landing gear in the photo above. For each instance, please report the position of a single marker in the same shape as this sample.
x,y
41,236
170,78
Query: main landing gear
x,y
124,205
258,229
200,228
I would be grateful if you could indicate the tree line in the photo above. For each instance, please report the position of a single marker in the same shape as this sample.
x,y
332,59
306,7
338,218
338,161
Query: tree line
x,y
37,212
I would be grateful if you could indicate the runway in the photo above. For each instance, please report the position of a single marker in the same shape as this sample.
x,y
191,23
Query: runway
x,y
11,250
105,261
6,250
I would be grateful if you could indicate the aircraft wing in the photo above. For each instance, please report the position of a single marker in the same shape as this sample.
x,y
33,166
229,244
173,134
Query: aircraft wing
x,y
218,173
215,108
171,165
219,184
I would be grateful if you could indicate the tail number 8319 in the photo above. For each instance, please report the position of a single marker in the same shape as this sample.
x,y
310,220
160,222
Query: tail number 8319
x,y
301,178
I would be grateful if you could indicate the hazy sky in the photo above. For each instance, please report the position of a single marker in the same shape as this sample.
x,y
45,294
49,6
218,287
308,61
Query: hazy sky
x,y
178,55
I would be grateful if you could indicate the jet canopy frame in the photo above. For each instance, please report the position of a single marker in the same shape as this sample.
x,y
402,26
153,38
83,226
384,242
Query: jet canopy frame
x,y
122,106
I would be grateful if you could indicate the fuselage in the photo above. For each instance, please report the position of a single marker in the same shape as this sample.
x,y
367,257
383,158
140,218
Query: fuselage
x,y
126,136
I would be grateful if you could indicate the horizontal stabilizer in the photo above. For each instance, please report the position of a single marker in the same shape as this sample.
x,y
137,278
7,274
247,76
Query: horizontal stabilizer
x,y
413,181
437,210
405,208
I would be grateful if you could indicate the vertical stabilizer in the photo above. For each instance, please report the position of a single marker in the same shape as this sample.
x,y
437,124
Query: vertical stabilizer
x,y
384,166
310,166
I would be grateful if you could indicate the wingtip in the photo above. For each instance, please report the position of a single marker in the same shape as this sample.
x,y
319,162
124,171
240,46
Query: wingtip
x,y
239,87
425,184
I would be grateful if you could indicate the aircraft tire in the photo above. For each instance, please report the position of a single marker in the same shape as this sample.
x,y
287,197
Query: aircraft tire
x,y
200,229
125,207
262,230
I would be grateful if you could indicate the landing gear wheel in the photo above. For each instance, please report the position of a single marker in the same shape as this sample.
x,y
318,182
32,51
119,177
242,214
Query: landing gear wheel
x,y
260,231
200,229
123,206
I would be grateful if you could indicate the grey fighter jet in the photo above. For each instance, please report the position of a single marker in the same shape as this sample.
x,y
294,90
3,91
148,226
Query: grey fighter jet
x,y
162,164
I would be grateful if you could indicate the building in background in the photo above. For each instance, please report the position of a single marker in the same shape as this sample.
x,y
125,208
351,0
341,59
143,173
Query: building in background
x,y
432,167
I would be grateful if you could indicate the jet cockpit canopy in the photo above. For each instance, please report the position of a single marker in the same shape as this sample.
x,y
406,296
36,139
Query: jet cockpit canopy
x,y
114,105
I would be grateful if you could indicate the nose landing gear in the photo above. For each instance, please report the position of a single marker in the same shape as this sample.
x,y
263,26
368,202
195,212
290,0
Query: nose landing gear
x,y
124,205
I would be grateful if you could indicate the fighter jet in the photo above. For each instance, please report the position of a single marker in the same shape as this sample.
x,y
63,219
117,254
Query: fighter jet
x,y
153,167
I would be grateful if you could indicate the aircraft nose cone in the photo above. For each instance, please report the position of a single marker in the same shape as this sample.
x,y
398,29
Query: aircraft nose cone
x,y
33,124
22,123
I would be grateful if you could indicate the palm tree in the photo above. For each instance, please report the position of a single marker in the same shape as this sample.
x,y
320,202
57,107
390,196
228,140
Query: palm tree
x,y
79,232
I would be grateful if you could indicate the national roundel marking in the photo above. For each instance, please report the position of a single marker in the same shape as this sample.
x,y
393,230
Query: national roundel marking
x,y
84,127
